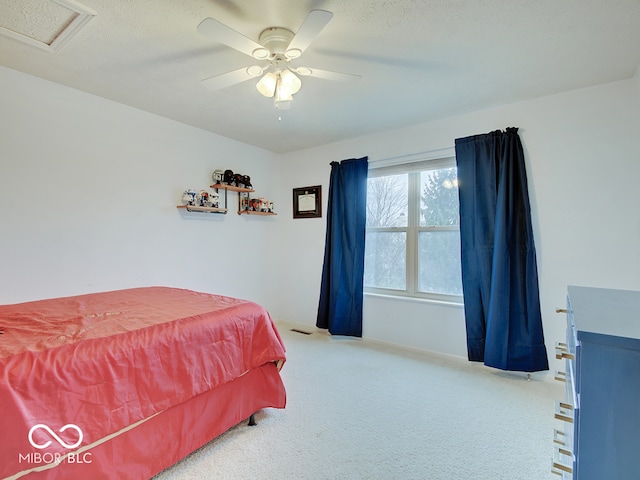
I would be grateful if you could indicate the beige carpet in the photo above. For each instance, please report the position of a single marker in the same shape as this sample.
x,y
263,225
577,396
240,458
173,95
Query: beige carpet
x,y
360,411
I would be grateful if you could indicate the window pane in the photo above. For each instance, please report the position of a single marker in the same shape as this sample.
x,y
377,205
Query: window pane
x,y
387,201
439,262
439,197
385,260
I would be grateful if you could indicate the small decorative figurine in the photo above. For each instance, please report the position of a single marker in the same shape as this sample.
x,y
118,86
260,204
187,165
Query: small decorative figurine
x,y
238,180
229,177
189,197
218,176
202,198
214,200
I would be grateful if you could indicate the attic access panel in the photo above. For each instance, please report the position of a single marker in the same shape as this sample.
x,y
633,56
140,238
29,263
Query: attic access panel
x,y
46,24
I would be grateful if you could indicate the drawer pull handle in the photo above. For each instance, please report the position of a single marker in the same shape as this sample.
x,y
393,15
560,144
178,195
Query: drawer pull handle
x,y
558,468
562,351
558,437
564,412
560,376
567,356
562,310
558,464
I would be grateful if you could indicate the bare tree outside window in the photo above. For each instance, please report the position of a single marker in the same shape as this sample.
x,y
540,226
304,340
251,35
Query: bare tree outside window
x,y
385,252
387,201
428,238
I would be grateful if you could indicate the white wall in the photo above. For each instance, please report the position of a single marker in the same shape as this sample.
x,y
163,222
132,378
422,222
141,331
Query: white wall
x,y
88,190
88,195
582,160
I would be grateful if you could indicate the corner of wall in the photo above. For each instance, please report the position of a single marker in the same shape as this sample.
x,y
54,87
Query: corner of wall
x,y
636,113
636,83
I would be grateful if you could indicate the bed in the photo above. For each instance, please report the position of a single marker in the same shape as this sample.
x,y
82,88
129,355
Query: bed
x,y
123,384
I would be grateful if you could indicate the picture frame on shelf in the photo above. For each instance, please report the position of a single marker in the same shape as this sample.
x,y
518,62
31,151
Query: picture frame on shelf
x,y
307,202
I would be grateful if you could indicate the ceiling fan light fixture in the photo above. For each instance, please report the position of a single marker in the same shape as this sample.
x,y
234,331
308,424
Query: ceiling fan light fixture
x,y
281,85
286,85
289,81
282,94
267,84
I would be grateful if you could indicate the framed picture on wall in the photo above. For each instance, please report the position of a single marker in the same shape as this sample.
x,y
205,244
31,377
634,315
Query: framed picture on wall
x,y
307,202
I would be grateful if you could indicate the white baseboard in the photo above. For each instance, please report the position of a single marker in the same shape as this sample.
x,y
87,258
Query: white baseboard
x,y
412,351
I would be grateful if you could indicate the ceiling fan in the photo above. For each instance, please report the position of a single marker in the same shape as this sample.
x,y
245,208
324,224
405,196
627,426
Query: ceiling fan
x,y
276,47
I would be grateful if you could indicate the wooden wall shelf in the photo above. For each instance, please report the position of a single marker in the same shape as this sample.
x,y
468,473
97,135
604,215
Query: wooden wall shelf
x,y
252,212
231,188
195,208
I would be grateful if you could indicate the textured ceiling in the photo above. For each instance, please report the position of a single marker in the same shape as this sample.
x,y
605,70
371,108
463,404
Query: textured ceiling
x,y
419,60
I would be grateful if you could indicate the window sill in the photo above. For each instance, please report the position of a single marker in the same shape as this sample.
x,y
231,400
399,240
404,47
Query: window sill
x,y
407,298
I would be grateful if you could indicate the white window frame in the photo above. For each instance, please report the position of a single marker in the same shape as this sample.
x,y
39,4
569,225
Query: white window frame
x,y
413,165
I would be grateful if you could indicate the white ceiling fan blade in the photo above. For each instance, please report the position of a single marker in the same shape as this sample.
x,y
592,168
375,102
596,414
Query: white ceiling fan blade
x,y
215,30
326,74
310,29
231,78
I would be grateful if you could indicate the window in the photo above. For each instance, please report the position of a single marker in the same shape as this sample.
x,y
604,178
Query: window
x,y
413,231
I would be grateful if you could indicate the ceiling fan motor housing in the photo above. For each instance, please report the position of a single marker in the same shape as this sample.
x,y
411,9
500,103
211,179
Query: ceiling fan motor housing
x,y
276,40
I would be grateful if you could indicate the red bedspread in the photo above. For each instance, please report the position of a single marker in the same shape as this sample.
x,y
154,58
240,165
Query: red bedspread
x,y
104,361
